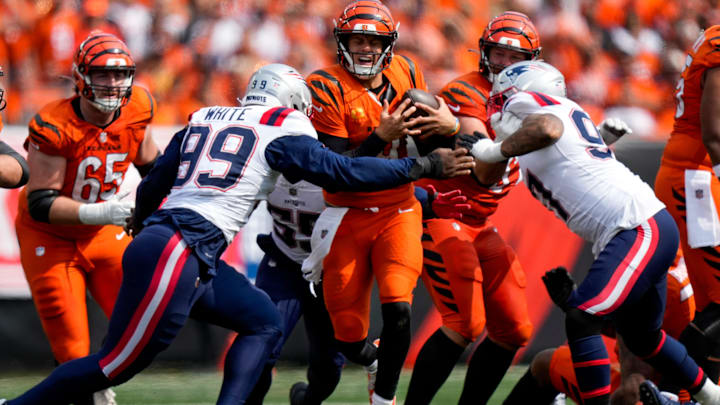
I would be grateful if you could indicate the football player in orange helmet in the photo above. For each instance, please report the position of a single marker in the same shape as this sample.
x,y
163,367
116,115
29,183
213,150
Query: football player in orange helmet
x,y
14,170
70,217
510,37
482,272
359,112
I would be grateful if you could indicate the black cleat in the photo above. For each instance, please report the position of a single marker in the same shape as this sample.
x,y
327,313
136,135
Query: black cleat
x,y
297,393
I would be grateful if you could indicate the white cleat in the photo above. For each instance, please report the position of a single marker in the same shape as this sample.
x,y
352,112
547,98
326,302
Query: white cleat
x,y
372,372
104,397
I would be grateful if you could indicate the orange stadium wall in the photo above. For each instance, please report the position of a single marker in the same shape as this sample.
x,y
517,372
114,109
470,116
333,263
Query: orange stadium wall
x,y
540,240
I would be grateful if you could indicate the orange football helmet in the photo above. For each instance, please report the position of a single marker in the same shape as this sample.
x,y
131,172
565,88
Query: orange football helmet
x,y
3,102
510,30
367,17
100,52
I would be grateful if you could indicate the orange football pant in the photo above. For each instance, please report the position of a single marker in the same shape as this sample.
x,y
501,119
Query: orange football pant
x,y
702,263
473,276
384,243
59,271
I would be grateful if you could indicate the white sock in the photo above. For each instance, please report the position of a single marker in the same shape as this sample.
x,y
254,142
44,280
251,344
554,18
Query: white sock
x,y
709,393
378,400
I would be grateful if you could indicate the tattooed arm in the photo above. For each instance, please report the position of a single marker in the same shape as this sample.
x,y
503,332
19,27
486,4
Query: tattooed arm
x,y
537,131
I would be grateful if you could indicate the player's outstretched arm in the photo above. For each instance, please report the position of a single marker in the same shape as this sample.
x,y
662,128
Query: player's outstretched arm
x,y
305,158
14,171
156,185
536,132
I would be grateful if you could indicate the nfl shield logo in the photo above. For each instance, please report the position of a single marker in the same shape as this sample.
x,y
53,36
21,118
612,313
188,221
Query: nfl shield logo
x,y
323,233
103,136
699,194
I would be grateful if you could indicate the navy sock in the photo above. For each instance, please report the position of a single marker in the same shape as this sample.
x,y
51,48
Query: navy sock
x,y
592,369
671,359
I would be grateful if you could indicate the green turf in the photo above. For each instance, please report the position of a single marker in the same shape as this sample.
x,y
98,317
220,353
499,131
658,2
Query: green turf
x,y
162,386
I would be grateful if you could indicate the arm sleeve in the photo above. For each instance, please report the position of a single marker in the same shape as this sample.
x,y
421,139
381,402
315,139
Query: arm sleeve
x,y
303,158
157,184
371,146
5,149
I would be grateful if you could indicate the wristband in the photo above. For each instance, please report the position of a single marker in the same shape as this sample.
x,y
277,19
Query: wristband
x,y
457,127
716,170
92,214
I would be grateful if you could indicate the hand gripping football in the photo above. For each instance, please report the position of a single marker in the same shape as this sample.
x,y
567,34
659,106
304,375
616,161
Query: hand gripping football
x,y
420,96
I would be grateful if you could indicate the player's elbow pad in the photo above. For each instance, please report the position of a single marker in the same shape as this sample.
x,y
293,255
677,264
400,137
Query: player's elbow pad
x,y
145,169
39,203
5,149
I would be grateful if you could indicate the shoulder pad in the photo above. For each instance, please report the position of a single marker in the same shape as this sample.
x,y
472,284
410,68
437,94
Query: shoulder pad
x,y
44,130
142,105
327,89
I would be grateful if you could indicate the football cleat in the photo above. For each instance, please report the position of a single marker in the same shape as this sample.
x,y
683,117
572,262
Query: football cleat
x,y
376,399
104,397
372,373
651,395
3,401
297,393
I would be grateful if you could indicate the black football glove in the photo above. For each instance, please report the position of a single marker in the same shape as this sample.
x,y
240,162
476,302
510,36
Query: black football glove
x,y
559,285
467,141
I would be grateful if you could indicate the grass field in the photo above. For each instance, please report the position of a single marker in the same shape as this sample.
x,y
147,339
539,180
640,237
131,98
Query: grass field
x,y
160,386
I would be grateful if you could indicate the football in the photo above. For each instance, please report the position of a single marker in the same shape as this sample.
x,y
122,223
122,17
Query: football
x,y
420,96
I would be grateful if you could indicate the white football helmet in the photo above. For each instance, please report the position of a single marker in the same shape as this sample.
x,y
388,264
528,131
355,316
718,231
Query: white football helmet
x,y
529,75
278,84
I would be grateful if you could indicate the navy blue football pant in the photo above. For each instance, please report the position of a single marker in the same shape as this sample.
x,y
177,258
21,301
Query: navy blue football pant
x,y
163,284
282,279
627,283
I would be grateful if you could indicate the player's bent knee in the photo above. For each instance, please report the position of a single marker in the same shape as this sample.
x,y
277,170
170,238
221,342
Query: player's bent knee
x,y
49,297
642,343
350,327
515,338
580,324
396,316
461,338
359,352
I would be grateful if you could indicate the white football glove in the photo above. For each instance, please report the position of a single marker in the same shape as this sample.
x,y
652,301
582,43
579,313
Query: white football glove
x,y
112,211
613,129
485,150
504,124
313,275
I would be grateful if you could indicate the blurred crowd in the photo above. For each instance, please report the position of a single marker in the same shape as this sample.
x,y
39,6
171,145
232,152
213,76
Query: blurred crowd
x,y
621,58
